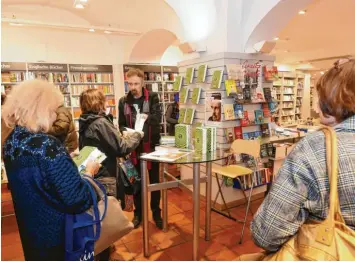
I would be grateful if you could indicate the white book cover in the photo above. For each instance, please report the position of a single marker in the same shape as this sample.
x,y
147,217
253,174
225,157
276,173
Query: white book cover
x,y
165,155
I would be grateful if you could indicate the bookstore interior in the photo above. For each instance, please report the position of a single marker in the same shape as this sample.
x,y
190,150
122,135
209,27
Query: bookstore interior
x,y
236,95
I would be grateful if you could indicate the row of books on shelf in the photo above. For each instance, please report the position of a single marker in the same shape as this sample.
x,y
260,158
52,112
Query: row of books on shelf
x,y
106,89
12,77
92,77
259,178
288,91
288,104
167,98
201,78
50,77
233,133
289,82
156,76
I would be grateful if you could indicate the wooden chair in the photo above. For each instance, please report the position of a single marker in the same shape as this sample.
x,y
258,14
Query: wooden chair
x,y
239,146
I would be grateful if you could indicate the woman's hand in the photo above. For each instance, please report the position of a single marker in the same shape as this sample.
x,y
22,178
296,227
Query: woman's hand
x,y
92,168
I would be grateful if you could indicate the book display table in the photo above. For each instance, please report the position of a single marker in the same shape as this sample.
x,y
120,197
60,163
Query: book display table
x,y
192,158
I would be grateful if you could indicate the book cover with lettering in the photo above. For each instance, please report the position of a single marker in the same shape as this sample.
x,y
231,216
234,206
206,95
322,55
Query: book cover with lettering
x,y
231,87
259,116
265,132
196,93
238,133
245,121
183,95
189,75
201,73
182,113
177,84
182,135
189,116
238,111
229,135
228,110
235,72
201,140
266,110
217,79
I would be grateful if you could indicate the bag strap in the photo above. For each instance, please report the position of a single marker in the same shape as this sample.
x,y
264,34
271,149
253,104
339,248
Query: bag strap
x,y
326,232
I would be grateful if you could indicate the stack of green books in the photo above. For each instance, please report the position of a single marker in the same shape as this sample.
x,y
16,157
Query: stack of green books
x,y
205,139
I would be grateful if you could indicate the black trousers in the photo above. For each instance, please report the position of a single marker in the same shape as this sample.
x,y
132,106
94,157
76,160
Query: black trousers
x,y
155,195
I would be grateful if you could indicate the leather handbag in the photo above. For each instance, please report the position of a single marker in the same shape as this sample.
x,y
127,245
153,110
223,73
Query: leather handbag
x,y
114,225
330,239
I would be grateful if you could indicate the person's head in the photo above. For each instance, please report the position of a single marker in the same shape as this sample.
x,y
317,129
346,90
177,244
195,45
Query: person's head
x,y
92,101
216,110
135,81
32,104
336,92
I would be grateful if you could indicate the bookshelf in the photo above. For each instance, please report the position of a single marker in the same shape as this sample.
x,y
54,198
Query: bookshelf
x,y
289,92
70,79
158,79
11,75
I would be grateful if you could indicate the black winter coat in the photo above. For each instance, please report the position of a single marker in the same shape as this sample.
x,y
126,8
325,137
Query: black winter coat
x,y
99,131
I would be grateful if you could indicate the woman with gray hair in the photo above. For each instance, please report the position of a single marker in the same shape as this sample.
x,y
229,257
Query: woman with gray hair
x,y
44,180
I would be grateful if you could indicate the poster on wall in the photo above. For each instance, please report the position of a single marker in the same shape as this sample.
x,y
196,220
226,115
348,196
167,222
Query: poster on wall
x,y
214,107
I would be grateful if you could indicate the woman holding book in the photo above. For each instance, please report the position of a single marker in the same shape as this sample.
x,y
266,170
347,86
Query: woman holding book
x,y
300,192
45,182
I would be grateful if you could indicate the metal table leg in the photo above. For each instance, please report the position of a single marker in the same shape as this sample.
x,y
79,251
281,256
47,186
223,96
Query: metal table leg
x,y
165,200
208,200
145,207
196,209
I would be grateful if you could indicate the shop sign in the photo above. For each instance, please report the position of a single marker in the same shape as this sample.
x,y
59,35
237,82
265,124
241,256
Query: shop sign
x,y
90,68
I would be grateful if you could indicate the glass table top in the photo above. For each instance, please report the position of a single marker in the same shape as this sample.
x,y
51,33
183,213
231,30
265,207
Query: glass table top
x,y
186,157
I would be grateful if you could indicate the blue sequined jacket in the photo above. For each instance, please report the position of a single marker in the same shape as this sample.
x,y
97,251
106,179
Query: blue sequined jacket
x,y
45,185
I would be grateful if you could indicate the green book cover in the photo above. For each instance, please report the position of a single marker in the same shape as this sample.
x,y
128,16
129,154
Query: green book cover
x,y
182,115
231,86
201,73
182,135
183,95
196,93
177,84
190,113
217,79
86,154
200,140
209,139
189,75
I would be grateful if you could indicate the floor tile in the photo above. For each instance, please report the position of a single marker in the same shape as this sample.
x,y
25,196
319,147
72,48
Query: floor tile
x,y
121,254
167,239
136,248
158,256
223,255
245,248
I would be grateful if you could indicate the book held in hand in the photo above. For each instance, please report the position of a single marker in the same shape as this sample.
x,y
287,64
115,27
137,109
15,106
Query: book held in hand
x,y
88,153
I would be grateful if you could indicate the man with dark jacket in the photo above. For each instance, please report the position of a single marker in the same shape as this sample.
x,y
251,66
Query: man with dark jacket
x,y
145,102
63,128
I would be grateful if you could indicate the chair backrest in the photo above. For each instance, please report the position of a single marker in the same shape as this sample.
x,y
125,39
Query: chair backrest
x,y
249,147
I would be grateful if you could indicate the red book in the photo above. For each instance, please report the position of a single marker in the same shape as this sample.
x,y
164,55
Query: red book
x,y
238,132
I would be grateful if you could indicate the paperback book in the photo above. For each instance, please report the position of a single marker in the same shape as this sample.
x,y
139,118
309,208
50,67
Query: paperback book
x,y
259,116
196,93
217,79
177,84
189,116
182,136
86,154
183,95
189,75
228,111
182,113
231,87
201,73
238,111
201,140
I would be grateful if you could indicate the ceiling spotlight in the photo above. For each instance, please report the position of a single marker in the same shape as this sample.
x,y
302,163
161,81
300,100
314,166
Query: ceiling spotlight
x,y
79,6
322,73
91,30
276,38
302,12
107,32
84,1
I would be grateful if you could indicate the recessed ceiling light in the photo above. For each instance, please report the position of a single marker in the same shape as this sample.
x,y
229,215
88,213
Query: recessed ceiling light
x,y
107,32
84,1
322,73
276,38
286,51
15,24
92,30
79,6
302,12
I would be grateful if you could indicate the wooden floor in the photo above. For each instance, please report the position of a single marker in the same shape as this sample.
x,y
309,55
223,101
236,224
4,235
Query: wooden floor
x,y
164,246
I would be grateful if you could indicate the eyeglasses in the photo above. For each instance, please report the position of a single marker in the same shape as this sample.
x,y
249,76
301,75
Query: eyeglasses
x,y
341,62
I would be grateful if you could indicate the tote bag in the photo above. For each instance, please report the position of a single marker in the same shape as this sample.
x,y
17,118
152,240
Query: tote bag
x,y
327,240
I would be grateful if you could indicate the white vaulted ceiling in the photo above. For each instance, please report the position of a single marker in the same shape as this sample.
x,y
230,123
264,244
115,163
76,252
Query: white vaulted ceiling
x,y
325,32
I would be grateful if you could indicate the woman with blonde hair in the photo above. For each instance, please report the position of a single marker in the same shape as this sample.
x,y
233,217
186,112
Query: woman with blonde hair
x,y
300,192
45,182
